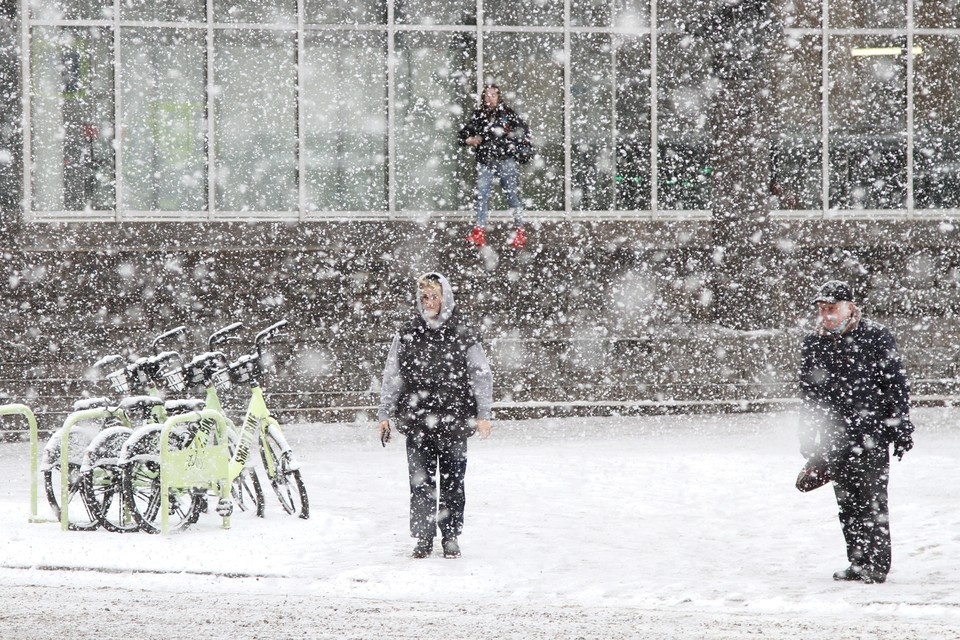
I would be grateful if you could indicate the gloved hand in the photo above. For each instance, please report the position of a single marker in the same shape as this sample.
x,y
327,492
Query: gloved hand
x,y
902,444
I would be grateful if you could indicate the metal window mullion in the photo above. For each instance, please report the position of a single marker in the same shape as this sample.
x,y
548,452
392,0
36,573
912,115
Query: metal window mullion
x,y
301,129
654,107
825,109
118,136
25,119
567,109
211,116
391,116
479,62
614,133
910,106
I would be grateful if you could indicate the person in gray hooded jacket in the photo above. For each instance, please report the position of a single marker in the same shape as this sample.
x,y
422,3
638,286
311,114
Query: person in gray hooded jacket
x,y
438,388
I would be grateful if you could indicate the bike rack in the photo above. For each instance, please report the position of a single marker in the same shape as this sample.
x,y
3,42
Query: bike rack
x,y
26,412
202,464
72,419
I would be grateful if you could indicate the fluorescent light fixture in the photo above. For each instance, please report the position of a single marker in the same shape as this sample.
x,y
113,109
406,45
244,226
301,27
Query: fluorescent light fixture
x,y
859,52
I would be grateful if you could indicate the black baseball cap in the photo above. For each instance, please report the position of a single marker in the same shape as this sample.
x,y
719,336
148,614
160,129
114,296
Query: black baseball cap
x,y
833,291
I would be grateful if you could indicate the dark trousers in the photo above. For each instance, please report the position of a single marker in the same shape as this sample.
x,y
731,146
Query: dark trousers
x,y
861,488
427,456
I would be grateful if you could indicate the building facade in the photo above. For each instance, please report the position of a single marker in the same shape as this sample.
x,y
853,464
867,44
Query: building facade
x,y
155,150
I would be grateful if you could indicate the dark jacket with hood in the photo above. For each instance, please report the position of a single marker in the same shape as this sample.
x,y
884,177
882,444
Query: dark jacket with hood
x,y
437,377
855,390
502,131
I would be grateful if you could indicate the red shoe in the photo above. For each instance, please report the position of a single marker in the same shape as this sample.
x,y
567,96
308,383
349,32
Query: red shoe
x,y
519,240
477,237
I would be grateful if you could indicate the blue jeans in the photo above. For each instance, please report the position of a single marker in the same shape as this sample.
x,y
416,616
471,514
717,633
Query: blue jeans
x,y
508,173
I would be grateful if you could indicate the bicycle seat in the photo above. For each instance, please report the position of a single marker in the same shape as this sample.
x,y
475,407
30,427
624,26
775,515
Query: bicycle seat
x,y
179,407
91,403
144,403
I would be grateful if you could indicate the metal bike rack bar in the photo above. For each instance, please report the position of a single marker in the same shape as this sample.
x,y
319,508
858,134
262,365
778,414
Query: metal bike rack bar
x,y
204,465
26,412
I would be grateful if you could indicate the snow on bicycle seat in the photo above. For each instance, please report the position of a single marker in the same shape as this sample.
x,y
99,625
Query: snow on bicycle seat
x,y
179,407
91,403
140,402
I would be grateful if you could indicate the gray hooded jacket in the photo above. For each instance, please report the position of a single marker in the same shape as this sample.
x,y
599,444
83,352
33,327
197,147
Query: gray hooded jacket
x,y
478,368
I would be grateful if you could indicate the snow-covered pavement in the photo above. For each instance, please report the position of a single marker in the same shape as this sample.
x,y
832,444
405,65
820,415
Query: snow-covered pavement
x,y
642,527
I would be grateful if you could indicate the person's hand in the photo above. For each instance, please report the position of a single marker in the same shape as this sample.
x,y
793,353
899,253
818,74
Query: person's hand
x,y
484,427
473,141
902,444
384,432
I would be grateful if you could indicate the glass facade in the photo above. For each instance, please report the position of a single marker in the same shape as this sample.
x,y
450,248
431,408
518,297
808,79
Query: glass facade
x,y
296,110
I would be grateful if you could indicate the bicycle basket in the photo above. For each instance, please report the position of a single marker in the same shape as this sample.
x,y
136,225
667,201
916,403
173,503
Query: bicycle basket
x,y
245,369
119,381
175,380
221,378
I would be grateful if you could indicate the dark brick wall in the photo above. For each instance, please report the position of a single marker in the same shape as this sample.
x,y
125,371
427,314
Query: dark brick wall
x,y
603,317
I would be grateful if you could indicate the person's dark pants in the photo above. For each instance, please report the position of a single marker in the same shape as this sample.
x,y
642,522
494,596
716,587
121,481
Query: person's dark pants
x,y
428,455
861,488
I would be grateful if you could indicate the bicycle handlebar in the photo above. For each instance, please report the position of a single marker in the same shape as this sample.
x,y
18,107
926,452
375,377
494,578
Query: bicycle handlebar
x,y
167,334
224,334
269,332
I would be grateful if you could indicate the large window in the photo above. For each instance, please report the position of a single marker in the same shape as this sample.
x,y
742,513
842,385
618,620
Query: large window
x,y
297,110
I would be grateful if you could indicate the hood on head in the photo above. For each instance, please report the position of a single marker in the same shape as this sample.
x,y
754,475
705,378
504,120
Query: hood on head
x,y
447,303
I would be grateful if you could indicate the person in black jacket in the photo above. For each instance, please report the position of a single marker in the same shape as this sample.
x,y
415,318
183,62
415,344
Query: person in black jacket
x,y
438,386
855,390
498,136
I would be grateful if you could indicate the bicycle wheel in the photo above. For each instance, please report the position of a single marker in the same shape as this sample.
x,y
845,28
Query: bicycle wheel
x,y
247,492
80,517
102,489
141,488
286,482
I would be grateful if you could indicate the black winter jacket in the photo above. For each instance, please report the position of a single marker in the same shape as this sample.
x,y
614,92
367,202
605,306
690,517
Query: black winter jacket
x,y
436,392
855,387
501,129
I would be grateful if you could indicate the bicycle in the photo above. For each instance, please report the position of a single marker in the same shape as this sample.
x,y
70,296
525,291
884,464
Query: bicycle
x,y
246,489
261,429
92,434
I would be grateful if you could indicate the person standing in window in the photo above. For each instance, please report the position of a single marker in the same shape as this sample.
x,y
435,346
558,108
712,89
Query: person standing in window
x,y
857,400
438,386
499,137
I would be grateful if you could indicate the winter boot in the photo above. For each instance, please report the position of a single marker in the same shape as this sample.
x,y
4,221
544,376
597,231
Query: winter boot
x,y
477,237
423,549
451,548
519,238
851,573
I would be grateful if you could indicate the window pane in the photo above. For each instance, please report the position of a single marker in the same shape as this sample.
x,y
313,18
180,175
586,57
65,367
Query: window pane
x,y
434,87
164,10
683,148
532,13
937,14
345,11
937,123
72,119
256,121
795,143
164,126
623,14
436,12
529,69
610,108
868,14
633,123
72,10
798,14
867,123
255,11
345,116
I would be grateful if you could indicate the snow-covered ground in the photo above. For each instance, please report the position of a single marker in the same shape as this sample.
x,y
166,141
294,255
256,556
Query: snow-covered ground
x,y
641,527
